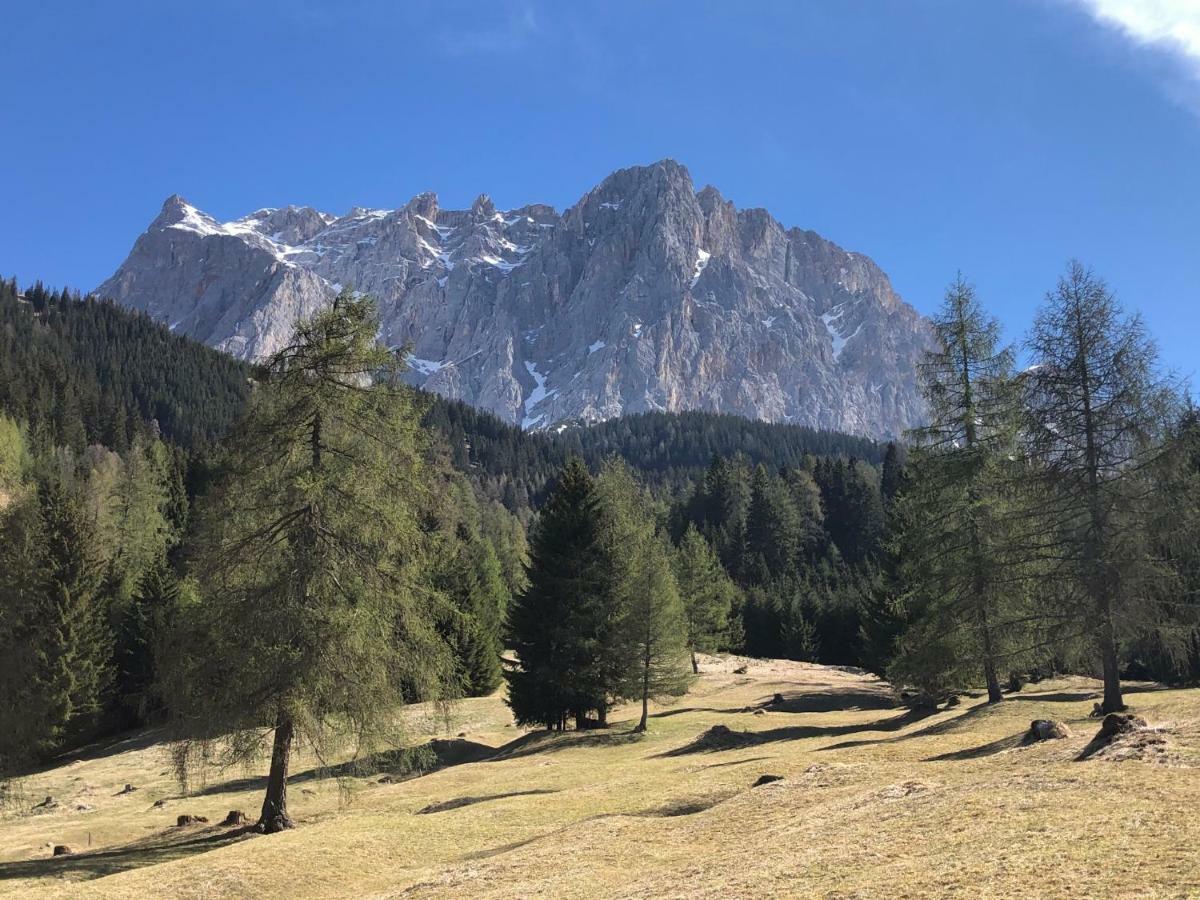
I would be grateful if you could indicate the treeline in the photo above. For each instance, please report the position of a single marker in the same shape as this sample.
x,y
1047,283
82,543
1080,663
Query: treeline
x,y
670,451
82,371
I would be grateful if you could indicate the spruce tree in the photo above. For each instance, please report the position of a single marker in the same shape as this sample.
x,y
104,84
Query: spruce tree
x,y
72,634
308,554
551,624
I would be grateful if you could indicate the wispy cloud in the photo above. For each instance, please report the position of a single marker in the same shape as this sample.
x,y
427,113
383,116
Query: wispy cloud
x,y
1169,25
512,33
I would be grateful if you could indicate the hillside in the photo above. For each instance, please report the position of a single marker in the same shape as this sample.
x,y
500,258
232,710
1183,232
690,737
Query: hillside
x,y
646,295
875,801
79,370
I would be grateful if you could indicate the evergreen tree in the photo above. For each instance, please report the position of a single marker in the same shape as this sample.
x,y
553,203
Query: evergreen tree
x,y
773,532
892,473
74,643
552,625
308,554
707,593
142,628
471,579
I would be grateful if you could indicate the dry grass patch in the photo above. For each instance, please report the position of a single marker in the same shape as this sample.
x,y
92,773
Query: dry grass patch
x,y
874,802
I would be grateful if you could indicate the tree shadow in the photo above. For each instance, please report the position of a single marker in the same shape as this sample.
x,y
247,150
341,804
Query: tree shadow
x,y
460,802
830,701
713,741
167,845
1009,742
556,741
943,727
737,762
666,713
401,763
1057,697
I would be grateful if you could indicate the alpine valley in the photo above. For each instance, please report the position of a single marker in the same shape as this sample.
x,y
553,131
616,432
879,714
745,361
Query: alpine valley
x,y
646,295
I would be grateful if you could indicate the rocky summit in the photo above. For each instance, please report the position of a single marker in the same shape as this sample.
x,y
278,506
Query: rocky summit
x,y
645,295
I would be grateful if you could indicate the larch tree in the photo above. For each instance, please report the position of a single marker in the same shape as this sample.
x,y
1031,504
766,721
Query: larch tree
x,y
642,641
707,593
1097,415
957,566
311,626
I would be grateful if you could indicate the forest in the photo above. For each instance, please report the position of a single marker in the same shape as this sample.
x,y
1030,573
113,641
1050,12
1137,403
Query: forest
x,y
260,556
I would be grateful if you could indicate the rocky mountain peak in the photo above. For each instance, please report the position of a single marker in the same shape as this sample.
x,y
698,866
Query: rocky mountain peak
x,y
644,295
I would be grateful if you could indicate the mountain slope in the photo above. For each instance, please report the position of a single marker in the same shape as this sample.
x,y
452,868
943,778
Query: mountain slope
x,y
643,296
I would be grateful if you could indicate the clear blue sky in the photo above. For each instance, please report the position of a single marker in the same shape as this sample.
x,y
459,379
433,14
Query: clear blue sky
x,y
1000,138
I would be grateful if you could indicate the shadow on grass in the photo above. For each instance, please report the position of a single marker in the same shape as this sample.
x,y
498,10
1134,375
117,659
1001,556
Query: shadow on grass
x,y
555,741
989,749
460,802
168,845
962,720
401,763
738,762
714,742
830,701
690,709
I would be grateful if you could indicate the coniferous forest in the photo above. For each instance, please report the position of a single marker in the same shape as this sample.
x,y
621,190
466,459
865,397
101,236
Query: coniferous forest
x,y
296,548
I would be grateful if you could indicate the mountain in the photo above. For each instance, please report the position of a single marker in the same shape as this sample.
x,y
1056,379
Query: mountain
x,y
646,295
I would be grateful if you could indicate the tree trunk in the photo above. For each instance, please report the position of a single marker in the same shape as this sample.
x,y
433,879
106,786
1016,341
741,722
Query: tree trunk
x,y
580,719
993,682
1113,701
602,715
989,657
695,663
274,810
644,724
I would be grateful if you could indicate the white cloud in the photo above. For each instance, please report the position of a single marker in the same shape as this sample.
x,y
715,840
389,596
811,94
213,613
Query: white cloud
x,y
511,34
1171,25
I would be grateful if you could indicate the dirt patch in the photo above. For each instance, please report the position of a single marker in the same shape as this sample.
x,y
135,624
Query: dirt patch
x,y
1141,745
895,792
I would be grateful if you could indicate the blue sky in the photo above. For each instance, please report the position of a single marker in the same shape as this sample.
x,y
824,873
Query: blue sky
x,y
999,138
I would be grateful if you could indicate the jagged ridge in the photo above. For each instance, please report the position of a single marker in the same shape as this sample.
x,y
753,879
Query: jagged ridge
x,y
645,295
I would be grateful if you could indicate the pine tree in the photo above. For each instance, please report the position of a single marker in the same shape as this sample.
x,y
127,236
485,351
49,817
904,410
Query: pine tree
x,y
308,555
1095,430
707,593
551,624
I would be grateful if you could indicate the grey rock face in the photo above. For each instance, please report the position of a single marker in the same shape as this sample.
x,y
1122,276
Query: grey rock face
x,y
645,295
